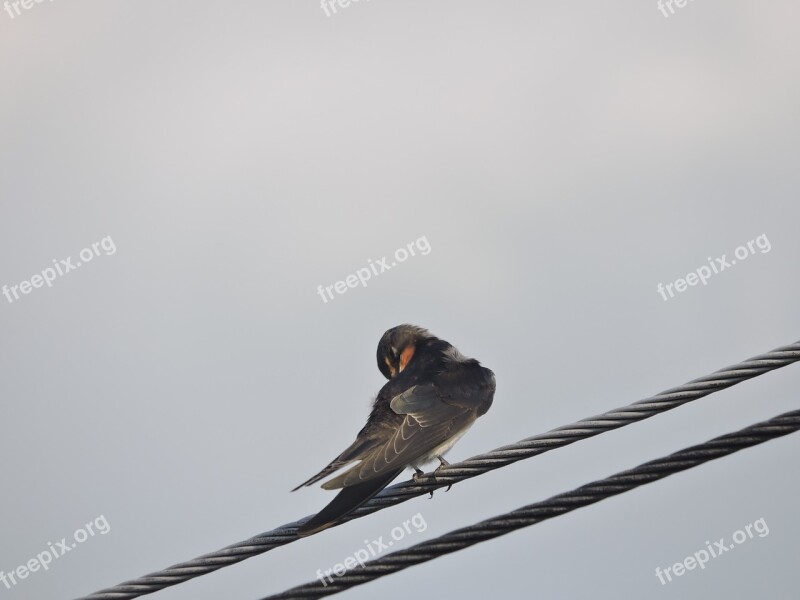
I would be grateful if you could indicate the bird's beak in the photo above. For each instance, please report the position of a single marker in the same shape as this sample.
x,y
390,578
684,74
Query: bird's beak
x,y
392,370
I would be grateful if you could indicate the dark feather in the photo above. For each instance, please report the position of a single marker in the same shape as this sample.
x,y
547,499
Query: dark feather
x,y
346,501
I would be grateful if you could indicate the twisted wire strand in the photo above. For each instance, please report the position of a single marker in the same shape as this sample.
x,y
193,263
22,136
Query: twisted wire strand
x,y
547,509
472,467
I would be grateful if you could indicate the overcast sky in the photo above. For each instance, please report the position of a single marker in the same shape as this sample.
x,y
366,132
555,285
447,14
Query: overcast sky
x,y
559,161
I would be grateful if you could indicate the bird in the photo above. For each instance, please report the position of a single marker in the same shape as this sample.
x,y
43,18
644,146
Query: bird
x,y
433,396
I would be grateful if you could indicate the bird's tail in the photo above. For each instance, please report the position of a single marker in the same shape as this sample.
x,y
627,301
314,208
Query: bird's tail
x,y
334,466
346,501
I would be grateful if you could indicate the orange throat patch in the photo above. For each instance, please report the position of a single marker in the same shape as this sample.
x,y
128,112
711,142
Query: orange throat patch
x,y
406,356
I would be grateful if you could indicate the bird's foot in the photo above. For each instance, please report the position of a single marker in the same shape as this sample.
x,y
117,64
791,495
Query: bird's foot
x,y
416,477
442,463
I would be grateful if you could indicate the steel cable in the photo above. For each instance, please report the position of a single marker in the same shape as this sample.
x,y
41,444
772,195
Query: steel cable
x,y
541,511
477,465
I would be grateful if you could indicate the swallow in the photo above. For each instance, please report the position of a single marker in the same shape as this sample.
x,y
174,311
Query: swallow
x,y
433,396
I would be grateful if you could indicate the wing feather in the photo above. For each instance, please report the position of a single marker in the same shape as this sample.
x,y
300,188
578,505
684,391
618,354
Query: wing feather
x,y
429,422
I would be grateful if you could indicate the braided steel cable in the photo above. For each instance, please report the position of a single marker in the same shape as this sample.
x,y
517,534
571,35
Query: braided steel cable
x,y
472,467
553,507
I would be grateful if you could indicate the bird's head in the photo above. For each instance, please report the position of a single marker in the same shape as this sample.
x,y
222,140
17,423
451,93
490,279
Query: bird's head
x,y
397,347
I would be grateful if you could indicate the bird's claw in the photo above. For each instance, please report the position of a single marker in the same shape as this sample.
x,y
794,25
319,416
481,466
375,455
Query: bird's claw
x,y
443,463
418,474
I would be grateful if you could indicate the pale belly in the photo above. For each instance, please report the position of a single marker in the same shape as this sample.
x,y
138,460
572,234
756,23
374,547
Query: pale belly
x,y
441,449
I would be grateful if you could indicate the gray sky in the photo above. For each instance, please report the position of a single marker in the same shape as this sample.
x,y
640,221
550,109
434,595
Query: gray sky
x,y
561,160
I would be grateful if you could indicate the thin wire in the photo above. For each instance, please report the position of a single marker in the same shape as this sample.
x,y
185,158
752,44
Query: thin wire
x,y
477,465
553,507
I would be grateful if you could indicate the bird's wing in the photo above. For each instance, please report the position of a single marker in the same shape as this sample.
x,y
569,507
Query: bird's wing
x,y
348,456
432,416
